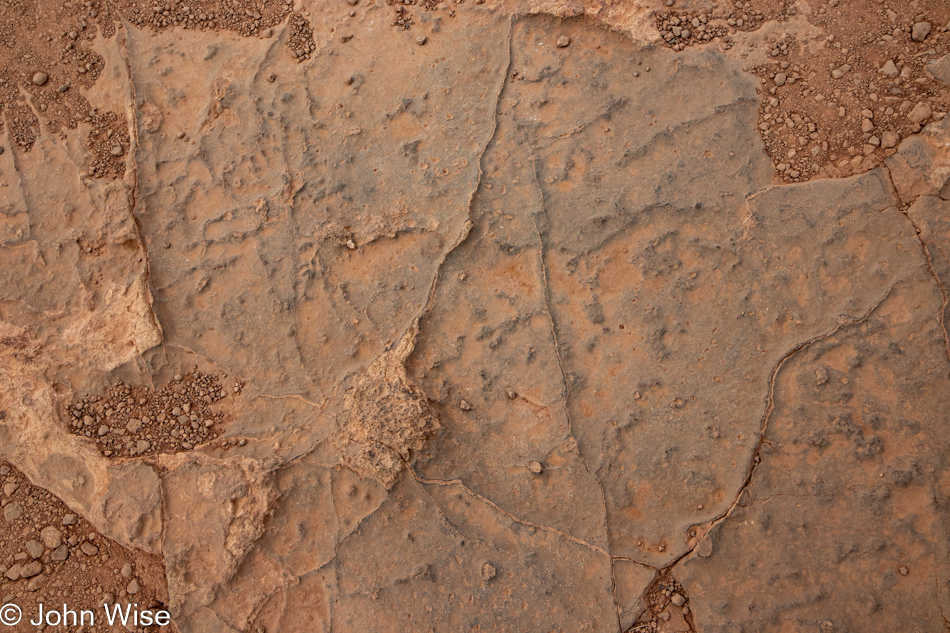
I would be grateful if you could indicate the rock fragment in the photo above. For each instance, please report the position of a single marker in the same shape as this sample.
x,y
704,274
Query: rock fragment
x,y
920,31
40,78
12,511
841,71
536,467
52,537
563,41
61,553
35,549
921,113
889,69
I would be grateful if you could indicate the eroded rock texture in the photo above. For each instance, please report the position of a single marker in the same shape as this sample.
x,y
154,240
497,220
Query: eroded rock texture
x,y
511,325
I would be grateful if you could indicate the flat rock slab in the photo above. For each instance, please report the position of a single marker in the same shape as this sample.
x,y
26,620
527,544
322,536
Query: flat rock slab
x,y
515,326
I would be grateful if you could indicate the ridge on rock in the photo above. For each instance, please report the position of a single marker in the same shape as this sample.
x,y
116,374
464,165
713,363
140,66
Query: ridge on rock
x,y
387,416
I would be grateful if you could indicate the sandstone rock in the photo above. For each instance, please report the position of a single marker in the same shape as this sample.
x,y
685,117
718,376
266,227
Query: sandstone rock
x,y
52,537
61,553
940,69
920,31
693,346
921,113
12,511
35,549
889,139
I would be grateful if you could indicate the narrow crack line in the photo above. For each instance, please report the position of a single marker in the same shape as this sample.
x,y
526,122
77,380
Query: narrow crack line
x,y
448,523
930,265
512,517
756,459
469,224
635,561
505,513
943,615
229,370
338,542
546,292
293,396
133,186
943,289
612,107
719,110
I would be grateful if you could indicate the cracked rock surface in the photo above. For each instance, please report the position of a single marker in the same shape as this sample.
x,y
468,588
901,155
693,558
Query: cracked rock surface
x,y
507,328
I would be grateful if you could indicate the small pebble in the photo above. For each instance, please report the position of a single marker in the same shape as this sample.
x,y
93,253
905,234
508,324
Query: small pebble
x,y
61,553
40,78
422,39
35,549
536,467
52,537
563,41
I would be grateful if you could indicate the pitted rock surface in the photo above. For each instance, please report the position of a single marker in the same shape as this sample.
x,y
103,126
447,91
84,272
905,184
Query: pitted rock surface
x,y
509,328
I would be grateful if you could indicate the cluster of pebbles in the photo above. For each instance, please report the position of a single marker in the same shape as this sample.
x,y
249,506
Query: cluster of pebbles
x,y
300,42
134,421
667,607
49,62
402,16
838,111
680,30
248,18
48,554
840,97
